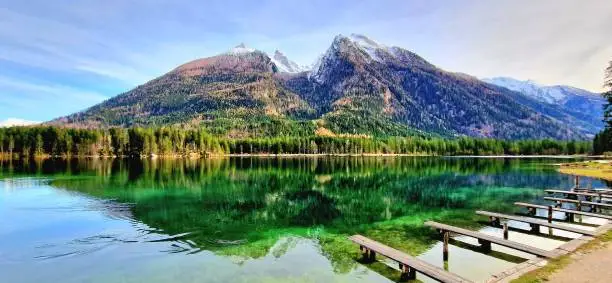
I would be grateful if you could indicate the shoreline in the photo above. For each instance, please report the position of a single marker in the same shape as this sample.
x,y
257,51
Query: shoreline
x,y
601,169
293,155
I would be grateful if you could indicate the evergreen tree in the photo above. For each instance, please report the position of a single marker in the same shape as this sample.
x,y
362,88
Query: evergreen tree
x,y
603,141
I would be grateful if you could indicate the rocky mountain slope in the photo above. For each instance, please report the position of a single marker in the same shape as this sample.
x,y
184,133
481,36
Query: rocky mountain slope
x,y
583,108
357,87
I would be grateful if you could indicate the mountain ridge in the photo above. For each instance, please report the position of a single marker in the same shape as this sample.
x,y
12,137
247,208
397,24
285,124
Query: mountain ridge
x,y
357,87
583,108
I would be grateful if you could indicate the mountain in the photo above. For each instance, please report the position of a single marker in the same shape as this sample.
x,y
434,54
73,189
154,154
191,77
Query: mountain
x,y
362,82
285,65
358,86
236,90
585,107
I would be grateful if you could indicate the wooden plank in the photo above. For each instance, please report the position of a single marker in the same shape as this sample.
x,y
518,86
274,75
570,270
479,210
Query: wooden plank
x,y
536,221
602,196
590,214
582,202
572,193
604,192
428,269
491,239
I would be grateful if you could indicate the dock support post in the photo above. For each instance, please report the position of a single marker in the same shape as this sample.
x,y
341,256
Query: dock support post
x,y
570,217
445,246
485,245
579,206
550,214
531,211
364,252
494,221
408,273
535,228
506,230
577,182
411,273
372,256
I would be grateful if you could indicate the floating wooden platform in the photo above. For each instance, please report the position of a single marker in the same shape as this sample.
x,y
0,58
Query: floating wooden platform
x,y
538,222
581,202
405,260
486,240
590,214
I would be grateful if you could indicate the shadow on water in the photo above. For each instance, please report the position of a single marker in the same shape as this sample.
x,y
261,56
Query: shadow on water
x,y
243,206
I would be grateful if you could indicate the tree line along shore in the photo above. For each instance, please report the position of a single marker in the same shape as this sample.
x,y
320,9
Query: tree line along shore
x,y
137,142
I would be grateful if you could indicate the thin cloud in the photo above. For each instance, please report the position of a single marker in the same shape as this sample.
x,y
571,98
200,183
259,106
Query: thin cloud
x,y
57,91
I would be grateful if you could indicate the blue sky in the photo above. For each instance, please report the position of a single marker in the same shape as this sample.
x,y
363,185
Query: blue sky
x,y
58,58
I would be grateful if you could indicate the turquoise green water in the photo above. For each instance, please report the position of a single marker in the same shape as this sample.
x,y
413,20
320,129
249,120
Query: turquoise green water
x,y
249,219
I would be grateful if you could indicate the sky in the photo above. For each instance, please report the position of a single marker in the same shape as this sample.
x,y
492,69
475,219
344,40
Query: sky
x,y
60,57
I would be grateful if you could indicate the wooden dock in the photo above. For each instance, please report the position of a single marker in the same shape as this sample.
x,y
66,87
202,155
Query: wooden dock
x,y
408,264
572,193
567,211
605,192
535,223
580,203
486,240
588,196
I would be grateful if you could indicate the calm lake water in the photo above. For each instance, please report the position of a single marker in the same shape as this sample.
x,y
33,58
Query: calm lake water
x,y
254,219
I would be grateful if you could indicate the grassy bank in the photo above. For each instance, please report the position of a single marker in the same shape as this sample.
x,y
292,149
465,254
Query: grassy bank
x,y
598,169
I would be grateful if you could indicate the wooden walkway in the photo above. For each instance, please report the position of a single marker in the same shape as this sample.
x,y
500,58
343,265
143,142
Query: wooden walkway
x,y
536,222
408,264
570,211
588,196
581,202
572,193
486,240
605,192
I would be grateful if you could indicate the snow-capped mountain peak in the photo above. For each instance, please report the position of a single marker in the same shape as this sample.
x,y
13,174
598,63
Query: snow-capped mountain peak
x,y
285,65
241,49
365,42
371,47
550,94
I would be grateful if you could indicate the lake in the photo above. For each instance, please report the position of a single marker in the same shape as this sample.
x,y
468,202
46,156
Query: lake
x,y
254,219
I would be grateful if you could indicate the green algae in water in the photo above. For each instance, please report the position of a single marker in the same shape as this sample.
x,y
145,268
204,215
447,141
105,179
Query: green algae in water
x,y
250,209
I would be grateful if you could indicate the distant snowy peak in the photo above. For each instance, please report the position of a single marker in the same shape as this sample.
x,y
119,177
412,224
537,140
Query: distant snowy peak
x,y
285,65
549,94
241,49
11,122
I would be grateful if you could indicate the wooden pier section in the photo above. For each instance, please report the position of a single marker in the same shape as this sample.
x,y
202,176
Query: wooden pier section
x,y
534,223
604,192
588,196
567,211
580,203
408,264
486,240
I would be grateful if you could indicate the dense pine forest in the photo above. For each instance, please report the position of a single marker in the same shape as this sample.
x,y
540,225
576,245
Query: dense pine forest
x,y
137,142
